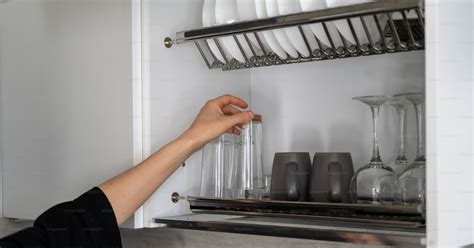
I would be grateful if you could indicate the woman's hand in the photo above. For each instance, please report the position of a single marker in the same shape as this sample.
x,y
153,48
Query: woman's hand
x,y
218,116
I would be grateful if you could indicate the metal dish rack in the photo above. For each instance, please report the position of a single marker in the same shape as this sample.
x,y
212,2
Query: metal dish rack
x,y
391,225
399,23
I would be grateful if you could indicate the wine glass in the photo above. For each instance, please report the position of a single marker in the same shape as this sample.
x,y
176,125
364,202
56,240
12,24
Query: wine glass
x,y
388,192
410,185
366,184
400,104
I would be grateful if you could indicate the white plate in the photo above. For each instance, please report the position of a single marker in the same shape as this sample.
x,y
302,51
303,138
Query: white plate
x,y
280,34
286,7
317,28
344,28
272,41
247,11
226,13
209,19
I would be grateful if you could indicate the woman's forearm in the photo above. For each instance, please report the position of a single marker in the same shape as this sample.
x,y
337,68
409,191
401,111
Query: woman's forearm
x,y
129,190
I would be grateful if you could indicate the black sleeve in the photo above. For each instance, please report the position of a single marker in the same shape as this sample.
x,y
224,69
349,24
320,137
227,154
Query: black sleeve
x,y
88,221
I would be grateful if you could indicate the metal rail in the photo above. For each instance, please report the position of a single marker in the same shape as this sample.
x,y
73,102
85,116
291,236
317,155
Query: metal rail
x,y
388,215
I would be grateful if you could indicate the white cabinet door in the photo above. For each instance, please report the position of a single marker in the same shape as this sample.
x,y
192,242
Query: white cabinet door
x,y
450,123
67,99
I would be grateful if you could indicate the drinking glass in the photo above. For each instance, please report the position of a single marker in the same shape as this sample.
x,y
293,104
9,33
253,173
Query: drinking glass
x,y
366,184
388,192
267,184
216,159
410,185
400,104
234,186
246,178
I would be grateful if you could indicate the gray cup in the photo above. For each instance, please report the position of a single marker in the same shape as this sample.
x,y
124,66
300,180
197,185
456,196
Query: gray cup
x,y
330,178
290,176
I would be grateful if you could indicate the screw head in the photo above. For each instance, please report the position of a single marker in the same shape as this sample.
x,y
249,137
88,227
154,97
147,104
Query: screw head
x,y
168,42
175,197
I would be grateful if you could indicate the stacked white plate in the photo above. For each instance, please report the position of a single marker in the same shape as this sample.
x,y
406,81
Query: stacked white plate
x,y
283,42
344,28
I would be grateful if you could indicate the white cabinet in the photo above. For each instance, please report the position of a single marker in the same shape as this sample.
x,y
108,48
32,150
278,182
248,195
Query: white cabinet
x,y
89,89
308,107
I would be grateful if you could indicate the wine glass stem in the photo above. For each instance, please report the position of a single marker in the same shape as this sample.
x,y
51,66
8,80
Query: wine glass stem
x,y
375,150
401,120
420,154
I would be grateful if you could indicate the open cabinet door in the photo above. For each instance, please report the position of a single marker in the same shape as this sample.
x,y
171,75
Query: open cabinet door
x,y
450,112
68,103
180,83
1,122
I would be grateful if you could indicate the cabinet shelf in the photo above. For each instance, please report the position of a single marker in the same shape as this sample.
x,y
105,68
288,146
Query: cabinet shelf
x,y
380,27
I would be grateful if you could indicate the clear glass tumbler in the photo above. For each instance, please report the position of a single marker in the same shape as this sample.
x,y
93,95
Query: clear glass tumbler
x,y
245,177
216,159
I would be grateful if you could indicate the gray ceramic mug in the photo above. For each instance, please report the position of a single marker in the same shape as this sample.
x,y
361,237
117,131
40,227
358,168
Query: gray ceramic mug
x,y
290,176
330,177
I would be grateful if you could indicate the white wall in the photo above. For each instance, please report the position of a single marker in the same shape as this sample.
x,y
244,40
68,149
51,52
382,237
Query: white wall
x,y
308,107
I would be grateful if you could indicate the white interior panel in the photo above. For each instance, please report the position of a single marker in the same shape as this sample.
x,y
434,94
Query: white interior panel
x,y
308,107
180,84
67,99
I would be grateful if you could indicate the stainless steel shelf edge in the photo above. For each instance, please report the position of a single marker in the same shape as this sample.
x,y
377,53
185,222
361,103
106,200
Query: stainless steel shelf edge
x,y
268,226
283,21
249,203
385,216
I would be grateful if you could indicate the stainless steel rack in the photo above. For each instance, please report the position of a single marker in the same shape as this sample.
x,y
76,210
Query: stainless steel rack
x,y
399,24
386,215
353,223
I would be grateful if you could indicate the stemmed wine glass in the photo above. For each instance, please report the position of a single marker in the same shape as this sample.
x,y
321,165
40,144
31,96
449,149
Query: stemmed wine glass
x,y
387,183
410,186
366,182
400,104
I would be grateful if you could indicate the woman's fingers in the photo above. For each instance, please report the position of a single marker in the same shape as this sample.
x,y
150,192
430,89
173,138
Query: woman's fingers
x,y
230,110
239,119
228,100
220,115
